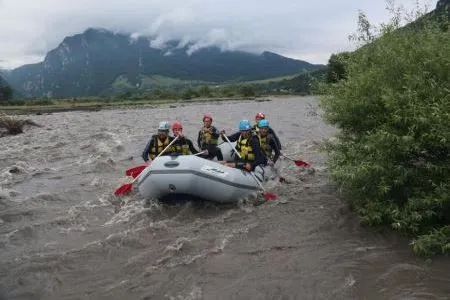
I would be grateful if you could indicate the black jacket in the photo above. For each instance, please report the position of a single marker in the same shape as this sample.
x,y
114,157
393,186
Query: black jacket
x,y
185,141
270,130
150,143
260,158
273,144
214,134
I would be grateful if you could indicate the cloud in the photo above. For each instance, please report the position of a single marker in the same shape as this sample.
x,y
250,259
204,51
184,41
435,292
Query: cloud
x,y
309,30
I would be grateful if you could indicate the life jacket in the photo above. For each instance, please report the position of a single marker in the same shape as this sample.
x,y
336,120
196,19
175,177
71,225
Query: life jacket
x,y
264,142
255,129
207,137
182,147
159,146
244,148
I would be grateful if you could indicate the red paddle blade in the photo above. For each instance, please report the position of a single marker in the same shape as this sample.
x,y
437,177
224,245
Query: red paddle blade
x,y
270,196
301,163
135,171
124,189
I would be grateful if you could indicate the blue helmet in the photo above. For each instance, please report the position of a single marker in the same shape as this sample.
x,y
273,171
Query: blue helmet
x,y
244,125
263,123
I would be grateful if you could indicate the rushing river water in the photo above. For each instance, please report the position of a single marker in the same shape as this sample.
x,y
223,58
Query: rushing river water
x,y
63,235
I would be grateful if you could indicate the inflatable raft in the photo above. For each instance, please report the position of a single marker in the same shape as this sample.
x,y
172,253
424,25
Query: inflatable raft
x,y
227,151
194,176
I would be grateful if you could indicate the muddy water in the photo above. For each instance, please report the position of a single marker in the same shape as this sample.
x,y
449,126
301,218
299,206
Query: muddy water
x,y
64,236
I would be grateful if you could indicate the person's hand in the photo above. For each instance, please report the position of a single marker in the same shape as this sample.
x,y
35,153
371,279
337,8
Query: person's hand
x,y
222,132
205,152
271,163
248,167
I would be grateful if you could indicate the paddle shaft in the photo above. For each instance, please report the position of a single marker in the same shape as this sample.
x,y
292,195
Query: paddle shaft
x,y
200,153
287,157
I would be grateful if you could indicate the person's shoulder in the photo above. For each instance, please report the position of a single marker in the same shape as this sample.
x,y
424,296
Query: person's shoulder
x,y
254,137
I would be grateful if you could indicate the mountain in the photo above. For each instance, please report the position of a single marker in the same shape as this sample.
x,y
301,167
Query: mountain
x,y
87,64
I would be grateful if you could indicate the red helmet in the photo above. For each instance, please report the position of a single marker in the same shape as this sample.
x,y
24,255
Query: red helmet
x,y
177,125
260,115
207,116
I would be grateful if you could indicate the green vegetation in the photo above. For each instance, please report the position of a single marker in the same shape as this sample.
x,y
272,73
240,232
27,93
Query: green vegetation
x,y
391,101
13,125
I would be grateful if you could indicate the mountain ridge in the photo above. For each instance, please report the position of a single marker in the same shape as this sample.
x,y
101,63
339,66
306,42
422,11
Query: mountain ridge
x,y
86,64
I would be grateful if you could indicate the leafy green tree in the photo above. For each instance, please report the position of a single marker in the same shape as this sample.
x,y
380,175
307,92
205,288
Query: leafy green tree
x,y
392,155
336,67
6,93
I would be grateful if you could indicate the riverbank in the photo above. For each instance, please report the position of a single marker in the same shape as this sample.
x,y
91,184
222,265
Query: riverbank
x,y
96,105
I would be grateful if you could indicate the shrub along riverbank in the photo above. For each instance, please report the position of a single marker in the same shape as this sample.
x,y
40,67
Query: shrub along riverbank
x,y
392,106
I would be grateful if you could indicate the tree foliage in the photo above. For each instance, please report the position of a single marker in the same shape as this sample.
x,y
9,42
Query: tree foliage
x,y
6,93
393,110
336,68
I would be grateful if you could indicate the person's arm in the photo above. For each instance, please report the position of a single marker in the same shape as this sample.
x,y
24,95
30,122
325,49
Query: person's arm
x,y
191,147
277,140
146,152
275,149
214,133
234,137
199,139
260,158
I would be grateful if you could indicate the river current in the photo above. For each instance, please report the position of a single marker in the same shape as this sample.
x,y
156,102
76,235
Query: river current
x,y
64,235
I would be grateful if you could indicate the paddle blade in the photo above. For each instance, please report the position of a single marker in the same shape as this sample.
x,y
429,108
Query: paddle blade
x,y
134,172
124,189
301,163
270,196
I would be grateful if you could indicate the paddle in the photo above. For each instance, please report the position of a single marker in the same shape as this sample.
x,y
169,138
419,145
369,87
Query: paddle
x,y
126,188
267,195
133,172
298,163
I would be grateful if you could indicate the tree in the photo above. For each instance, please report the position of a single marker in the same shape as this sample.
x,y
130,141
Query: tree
x,y
336,68
6,93
392,155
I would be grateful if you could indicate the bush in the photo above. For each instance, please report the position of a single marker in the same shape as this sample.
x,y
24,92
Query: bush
x,y
392,153
11,125
247,90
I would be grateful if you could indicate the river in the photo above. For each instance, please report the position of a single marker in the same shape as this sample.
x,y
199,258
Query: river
x,y
63,235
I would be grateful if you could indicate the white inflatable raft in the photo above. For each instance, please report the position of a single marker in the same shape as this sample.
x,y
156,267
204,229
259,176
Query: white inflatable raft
x,y
198,177
227,151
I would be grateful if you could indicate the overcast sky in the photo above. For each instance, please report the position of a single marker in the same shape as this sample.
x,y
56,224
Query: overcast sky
x,y
304,29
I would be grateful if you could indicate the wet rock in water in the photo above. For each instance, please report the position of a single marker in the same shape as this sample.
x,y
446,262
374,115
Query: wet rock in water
x,y
14,170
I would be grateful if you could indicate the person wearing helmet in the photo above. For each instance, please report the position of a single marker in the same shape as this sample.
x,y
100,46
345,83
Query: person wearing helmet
x,y
208,138
267,142
248,147
261,116
183,145
158,142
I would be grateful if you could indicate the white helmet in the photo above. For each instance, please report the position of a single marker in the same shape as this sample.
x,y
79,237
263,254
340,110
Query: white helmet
x,y
164,125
